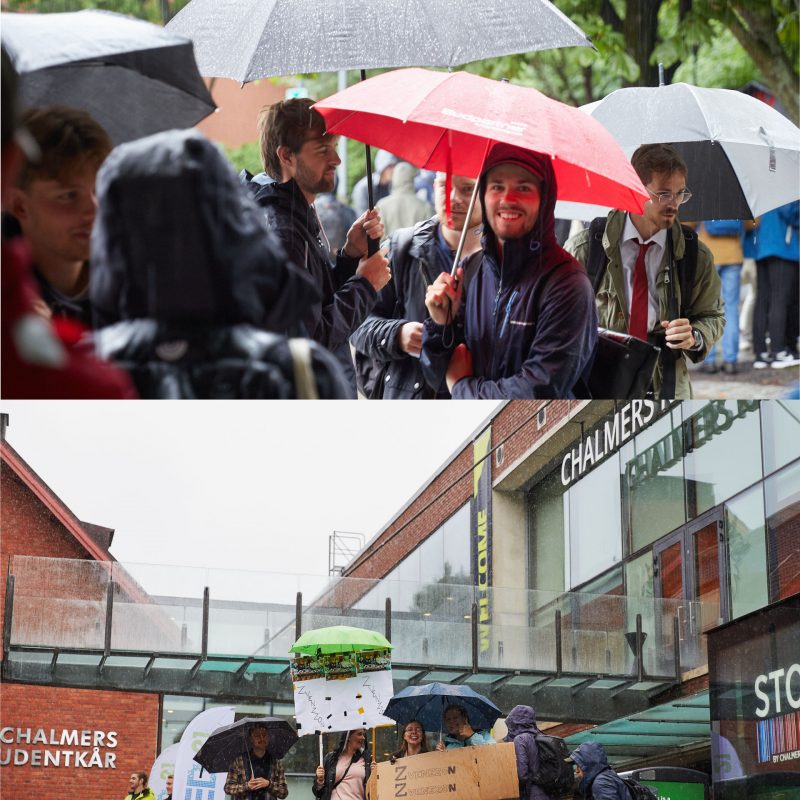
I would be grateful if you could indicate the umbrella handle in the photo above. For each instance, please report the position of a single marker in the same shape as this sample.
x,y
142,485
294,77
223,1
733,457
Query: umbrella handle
x,y
471,206
373,245
460,248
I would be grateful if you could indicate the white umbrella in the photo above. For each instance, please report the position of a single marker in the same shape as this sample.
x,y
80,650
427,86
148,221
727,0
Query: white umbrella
x,y
743,156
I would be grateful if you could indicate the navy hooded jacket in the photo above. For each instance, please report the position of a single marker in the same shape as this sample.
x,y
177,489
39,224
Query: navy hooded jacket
x,y
529,317
599,781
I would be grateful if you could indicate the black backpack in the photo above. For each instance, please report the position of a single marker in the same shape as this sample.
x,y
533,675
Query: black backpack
x,y
638,791
555,775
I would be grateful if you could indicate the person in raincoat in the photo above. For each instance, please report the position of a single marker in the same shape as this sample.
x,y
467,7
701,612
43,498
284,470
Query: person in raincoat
x,y
345,771
402,208
189,290
528,326
522,730
597,781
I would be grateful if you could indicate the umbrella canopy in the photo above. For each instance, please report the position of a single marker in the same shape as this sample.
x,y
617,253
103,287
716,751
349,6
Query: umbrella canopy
x,y
427,703
743,156
445,121
339,639
248,39
230,741
134,78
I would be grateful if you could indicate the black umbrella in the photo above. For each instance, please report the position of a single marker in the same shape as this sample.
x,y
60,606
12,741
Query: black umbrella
x,y
134,78
230,741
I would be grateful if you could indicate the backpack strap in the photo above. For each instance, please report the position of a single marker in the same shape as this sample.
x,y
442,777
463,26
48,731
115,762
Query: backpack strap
x,y
596,259
687,268
685,272
305,384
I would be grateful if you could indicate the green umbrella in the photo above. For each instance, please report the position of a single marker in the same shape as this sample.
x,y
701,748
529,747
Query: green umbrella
x,y
339,639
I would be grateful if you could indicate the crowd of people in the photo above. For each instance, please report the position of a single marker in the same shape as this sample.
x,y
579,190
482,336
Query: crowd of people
x,y
149,270
345,771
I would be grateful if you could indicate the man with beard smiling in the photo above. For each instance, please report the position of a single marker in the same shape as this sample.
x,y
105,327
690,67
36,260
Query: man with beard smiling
x,y
632,294
528,326
301,157
54,204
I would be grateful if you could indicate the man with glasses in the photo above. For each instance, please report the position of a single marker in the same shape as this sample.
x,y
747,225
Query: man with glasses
x,y
635,290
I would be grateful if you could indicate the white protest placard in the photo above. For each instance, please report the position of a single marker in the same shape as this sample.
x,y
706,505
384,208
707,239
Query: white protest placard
x,y
341,691
189,785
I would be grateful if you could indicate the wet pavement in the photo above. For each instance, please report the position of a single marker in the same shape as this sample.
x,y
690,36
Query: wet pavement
x,y
748,383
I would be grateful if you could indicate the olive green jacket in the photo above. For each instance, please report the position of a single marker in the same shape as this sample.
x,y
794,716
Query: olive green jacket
x,y
704,312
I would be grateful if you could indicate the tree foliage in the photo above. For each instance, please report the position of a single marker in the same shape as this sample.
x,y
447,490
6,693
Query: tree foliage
x,y
724,42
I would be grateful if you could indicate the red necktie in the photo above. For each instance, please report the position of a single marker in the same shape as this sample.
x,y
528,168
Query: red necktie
x,y
637,326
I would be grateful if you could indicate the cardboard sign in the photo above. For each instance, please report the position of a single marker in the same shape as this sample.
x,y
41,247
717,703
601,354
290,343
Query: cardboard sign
x,y
488,772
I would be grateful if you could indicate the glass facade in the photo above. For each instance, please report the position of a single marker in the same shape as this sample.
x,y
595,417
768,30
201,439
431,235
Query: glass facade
x,y
701,505
782,500
747,551
416,584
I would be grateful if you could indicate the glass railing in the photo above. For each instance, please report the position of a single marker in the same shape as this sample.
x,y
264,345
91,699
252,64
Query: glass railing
x,y
62,603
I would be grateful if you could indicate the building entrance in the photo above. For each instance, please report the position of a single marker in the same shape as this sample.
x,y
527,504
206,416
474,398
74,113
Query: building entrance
x,y
689,567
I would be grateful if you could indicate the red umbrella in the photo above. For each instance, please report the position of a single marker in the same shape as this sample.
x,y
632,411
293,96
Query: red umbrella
x,y
447,121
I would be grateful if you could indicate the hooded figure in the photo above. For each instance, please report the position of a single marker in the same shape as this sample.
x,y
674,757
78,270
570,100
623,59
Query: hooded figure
x,y
186,281
597,780
522,730
402,208
528,318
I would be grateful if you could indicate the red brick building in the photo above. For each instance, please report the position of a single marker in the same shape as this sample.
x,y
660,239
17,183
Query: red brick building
x,y
80,742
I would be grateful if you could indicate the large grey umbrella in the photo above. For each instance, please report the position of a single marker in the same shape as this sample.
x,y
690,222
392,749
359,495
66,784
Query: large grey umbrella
x,y
134,78
743,156
250,39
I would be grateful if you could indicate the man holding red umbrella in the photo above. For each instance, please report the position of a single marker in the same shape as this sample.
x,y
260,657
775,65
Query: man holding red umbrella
x,y
528,325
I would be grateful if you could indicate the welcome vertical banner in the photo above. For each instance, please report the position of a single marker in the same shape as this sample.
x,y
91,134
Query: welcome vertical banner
x,y
189,785
481,530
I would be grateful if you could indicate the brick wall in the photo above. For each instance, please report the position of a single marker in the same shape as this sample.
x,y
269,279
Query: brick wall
x,y
132,716
29,528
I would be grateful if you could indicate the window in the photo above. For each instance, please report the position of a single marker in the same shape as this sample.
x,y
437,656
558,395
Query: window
x,y
780,426
652,480
782,499
549,518
747,551
722,440
595,525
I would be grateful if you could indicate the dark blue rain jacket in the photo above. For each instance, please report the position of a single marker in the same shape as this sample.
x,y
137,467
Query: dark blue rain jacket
x,y
529,317
599,782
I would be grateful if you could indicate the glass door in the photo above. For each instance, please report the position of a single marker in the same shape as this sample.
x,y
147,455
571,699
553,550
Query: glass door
x,y
689,568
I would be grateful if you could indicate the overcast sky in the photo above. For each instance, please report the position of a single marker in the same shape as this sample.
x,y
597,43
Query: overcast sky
x,y
240,485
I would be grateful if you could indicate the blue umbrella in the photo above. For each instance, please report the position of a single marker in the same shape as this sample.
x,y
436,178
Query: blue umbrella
x,y
427,703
